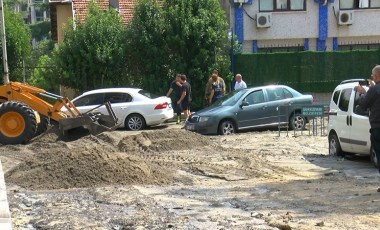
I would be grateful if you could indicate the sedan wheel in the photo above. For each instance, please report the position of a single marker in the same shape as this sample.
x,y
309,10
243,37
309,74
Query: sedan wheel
x,y
374,159
297,122
135,122
226,128
334,146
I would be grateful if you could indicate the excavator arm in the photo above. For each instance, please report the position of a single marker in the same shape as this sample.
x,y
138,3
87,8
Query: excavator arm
x,y
37,99
18,122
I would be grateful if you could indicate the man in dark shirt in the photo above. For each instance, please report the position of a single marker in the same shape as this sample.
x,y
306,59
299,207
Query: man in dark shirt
x,y
371,100
185,99
176,86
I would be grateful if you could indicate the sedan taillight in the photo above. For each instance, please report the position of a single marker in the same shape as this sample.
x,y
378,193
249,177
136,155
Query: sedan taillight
x,y
162,106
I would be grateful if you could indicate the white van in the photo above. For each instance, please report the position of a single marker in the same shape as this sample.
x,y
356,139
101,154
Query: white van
x,y
348,128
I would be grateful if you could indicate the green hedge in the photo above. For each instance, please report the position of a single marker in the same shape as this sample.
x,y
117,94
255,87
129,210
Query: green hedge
x,y
306,71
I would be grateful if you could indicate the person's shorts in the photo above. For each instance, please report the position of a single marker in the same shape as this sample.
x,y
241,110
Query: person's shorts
x,y
185,105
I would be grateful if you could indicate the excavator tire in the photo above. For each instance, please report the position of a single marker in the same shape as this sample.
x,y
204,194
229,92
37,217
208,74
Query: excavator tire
x,y
17,123
43,125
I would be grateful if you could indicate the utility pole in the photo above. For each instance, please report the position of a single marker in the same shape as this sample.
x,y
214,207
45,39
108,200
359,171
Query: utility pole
x,y
4,44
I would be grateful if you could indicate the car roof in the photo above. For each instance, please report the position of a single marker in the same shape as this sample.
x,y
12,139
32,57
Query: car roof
x,y
109,90
265,86
349,83
356,80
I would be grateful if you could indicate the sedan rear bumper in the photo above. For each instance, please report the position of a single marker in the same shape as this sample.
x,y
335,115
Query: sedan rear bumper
x,y
159,118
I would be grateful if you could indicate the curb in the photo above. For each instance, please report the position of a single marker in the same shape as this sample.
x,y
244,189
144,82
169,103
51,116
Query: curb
x,y
5,215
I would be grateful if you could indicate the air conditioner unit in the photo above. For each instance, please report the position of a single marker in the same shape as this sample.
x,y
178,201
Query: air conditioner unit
x,y
345,17
263,20
240,1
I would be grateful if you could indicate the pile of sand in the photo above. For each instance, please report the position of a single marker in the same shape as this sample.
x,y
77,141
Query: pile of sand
x,y
107,159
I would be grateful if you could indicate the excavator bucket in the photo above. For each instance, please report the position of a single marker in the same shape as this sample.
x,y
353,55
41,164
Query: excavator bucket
x,y
94,122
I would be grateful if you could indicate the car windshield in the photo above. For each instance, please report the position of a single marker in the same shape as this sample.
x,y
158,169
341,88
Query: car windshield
x,y
147,94
231,98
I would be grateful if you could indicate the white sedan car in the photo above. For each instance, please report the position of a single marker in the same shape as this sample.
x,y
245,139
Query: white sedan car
x,y
134,108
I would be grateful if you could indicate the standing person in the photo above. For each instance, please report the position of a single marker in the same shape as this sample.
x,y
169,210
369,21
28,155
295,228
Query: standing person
x,y
209,85
216,89
239,83
371,100
176,86
185,99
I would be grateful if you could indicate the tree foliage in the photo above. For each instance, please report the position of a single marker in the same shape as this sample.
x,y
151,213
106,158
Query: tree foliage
x,y
43,73
40,30
146,46
93,54
183,36
18,39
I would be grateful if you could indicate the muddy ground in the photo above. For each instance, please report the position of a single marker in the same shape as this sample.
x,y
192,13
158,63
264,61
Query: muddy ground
x,y
168,178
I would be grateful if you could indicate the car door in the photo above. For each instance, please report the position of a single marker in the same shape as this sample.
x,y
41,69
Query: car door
x,y
252,111
120,102
359,125
277,106
342,121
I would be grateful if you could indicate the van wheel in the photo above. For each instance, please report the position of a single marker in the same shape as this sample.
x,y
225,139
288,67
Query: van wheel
x,y
334,146
17,123
297,122
227,128
373,157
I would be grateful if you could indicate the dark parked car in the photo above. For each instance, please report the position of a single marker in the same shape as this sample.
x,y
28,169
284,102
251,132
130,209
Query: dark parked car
x,y
270,105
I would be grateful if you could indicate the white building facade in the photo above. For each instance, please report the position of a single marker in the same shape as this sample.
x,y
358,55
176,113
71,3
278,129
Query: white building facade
x,y
300,25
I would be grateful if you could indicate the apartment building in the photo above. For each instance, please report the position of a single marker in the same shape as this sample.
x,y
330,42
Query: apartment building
x,y
317,25
32,10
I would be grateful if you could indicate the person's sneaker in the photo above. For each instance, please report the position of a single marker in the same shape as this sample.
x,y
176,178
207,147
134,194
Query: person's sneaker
x,y
178,119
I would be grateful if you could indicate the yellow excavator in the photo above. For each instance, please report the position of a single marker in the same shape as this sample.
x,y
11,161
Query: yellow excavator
x,y
26,111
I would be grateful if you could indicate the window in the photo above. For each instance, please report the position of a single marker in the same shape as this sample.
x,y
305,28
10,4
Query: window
x,y
358,4
357,109
117,97
288,94
282,5
148,94
368,46
345,99
114,4
274,49
93,99
336,97
276,94
255,97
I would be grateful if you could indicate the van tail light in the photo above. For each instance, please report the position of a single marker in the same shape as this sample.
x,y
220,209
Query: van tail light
x,y
162,106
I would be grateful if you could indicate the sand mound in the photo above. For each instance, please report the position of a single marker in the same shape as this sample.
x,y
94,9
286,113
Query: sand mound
x,y
83,160
87,162
162,141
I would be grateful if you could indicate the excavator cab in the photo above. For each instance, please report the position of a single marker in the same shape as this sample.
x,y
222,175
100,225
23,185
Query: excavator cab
x,y
27,111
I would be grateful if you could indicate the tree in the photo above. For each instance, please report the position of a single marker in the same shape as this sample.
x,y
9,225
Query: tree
x,y
93,54
43,73
146,47
183,36
18,39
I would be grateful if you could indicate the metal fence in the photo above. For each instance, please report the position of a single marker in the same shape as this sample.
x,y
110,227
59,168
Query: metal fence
x,y
307,71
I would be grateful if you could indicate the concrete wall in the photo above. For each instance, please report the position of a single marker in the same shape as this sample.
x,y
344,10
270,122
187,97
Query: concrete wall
x,y
63,17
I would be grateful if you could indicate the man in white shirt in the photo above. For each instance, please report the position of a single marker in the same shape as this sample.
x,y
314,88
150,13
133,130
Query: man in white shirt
x,y
239,84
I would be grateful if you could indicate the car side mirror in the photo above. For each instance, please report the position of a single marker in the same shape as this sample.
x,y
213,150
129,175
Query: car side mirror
x,y
244,103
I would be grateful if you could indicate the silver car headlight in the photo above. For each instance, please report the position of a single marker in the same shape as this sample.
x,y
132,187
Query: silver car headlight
x,y
203,119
